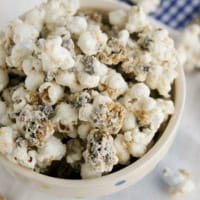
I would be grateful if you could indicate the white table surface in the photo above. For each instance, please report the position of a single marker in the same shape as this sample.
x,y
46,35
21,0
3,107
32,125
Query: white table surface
x,y
183,154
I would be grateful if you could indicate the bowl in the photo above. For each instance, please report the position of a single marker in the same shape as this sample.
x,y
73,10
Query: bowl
x,y
118,180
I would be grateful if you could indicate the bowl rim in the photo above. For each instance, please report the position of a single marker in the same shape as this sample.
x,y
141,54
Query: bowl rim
x,y
168,134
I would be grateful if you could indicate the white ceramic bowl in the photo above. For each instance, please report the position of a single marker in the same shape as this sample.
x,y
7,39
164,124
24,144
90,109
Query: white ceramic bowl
x,y
122,178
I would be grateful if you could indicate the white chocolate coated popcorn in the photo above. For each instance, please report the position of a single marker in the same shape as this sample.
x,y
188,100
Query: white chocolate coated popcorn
x,y
83,91
114,84
54,56
35,126
122,150
51,92
65,119
23,32
53,150
88,172
76,25
136,20
100,153
22,155
179,181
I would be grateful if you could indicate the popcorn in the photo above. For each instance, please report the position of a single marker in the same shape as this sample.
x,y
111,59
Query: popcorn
x,y
35,126
23,32
34,80
129,121
82,98
54,56
103,114
70,6
100,153
35,17
53,150
69,79
31,64
123,37
65,8
66,119
113,53
150,113
88,81
92,40
88,172
137,142
6,140
76,25
136,20
83,130
20,52
88,43
114,85
179,182
51,92
146,62
108,116
100,69
80,93
52,16
122,150
118,18
85,112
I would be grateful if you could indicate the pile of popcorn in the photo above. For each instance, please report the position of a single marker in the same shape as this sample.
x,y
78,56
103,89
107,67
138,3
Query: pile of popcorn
x,y
81,88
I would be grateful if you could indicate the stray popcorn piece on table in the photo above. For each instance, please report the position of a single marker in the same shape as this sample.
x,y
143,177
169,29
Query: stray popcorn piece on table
x,y
53,150
100,153
179,182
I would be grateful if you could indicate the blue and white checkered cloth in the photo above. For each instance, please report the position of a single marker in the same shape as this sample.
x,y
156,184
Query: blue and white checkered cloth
x,y
176,13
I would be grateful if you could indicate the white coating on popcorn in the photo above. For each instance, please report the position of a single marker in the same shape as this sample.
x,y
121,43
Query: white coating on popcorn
x,y
82,91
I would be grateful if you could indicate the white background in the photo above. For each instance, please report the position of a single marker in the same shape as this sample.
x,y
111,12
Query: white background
x,y
185,153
